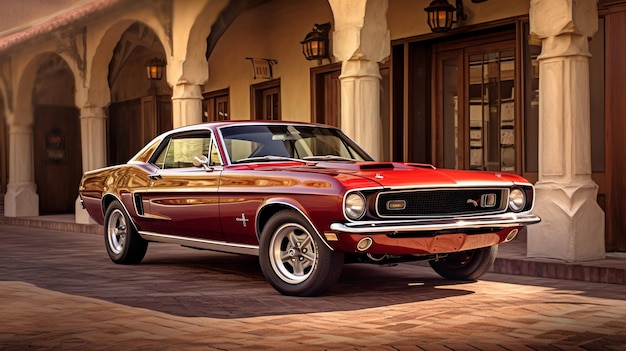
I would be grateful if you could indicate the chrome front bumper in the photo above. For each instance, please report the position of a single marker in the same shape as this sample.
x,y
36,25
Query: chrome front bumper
x,y
371,227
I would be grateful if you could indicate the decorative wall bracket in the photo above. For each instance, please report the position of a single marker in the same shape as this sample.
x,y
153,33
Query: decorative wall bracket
x,y
74,45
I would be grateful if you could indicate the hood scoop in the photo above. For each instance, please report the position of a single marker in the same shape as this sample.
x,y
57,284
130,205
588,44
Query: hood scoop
x,y
376,166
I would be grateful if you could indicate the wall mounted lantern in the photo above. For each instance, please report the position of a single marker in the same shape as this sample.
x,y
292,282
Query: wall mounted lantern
x,y
315,44
441,15
154,68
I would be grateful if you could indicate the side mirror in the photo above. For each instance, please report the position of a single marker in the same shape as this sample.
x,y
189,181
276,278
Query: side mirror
x,y
201,161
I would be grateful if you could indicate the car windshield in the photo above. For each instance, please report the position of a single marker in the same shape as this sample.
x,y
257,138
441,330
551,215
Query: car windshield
x,y
258,143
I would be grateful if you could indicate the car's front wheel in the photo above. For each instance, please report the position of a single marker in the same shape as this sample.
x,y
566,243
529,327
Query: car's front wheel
x,y
466,265
294,260
123,243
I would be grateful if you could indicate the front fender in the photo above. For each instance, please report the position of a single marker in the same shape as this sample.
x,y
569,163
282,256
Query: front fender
x,y
272,206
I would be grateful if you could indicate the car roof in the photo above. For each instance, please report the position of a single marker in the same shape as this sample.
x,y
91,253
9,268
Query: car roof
x,y
213,126
252,122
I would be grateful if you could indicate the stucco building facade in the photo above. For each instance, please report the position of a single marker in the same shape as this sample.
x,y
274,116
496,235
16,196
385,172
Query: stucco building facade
x,y
530,87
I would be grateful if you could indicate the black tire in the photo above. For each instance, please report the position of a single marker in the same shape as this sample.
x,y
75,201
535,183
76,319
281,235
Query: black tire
x,y
123,243
294,260
466,265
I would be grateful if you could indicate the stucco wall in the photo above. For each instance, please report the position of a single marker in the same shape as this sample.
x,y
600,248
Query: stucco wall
x,y
272,30
407,18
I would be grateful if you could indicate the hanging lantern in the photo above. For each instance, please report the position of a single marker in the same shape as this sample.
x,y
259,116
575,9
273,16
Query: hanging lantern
x,y
441,15
315,44
154,68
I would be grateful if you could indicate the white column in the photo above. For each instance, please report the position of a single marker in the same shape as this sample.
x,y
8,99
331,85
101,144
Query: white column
x,y
186,104
93,145
361,40
93,137
21,199
360,104
572,226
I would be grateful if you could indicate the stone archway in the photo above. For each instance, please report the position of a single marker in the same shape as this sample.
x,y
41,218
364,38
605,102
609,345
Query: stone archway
x,y
140,108
56,136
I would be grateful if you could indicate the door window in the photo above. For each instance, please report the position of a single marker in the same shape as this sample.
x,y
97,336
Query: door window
x,y
265,99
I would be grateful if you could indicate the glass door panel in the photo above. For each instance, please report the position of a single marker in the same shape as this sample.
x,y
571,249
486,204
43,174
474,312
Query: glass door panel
x,y
476,108
450,113
490,89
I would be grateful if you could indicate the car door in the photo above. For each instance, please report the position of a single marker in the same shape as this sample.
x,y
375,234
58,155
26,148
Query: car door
x,y
182,199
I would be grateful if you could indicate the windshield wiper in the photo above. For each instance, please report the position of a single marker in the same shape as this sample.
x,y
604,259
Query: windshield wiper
x,y
328,158
269,158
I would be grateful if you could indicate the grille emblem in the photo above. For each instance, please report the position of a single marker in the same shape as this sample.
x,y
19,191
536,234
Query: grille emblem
x,y
486,201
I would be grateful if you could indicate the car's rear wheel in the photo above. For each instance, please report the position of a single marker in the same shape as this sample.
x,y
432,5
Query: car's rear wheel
x,y
123,243
294,260
466,265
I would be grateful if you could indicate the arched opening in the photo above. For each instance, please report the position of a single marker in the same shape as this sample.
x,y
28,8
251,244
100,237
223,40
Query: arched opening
x,y
140,108
56,136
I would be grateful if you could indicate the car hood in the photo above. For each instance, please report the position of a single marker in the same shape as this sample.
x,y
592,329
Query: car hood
x,y
396,175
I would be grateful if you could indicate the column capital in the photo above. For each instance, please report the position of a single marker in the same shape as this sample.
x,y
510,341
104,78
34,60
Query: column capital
x,y
551,18
186,90
90,111
187,72
360,68
361,30
20,129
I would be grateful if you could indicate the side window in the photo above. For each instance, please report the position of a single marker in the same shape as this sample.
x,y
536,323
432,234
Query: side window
x,y
215,155
181,150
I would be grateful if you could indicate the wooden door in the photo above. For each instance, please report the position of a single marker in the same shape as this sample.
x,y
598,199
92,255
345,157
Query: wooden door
x,y
615,110
58,158
4,154
326,95
134,123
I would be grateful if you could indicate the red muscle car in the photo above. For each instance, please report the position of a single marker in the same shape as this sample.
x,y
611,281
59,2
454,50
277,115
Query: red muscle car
x,y
304,198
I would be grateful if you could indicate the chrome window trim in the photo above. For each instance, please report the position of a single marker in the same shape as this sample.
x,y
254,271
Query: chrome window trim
x,y
253,124
180,134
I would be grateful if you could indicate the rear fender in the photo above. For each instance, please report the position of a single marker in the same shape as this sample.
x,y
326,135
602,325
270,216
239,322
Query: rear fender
x,y
106,202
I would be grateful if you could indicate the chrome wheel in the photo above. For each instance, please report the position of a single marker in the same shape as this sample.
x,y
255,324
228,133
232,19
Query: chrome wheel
x,y
116,231
123,243
293,255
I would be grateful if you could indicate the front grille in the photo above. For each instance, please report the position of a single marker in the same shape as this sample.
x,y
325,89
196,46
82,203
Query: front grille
x,y
441,202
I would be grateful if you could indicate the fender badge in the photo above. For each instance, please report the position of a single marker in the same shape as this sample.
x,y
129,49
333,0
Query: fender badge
x,y
243,220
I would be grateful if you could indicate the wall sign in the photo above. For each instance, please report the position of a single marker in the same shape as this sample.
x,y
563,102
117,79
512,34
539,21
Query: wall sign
x,y
55,146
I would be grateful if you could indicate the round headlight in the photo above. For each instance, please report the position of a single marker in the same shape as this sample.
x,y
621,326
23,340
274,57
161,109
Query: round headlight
x,y
517,200
354,206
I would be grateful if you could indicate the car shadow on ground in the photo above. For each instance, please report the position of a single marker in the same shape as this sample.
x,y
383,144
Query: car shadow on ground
x,y
194,283
218,285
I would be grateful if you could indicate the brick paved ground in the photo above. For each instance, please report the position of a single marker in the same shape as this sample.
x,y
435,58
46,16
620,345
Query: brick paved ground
x,y
59,291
